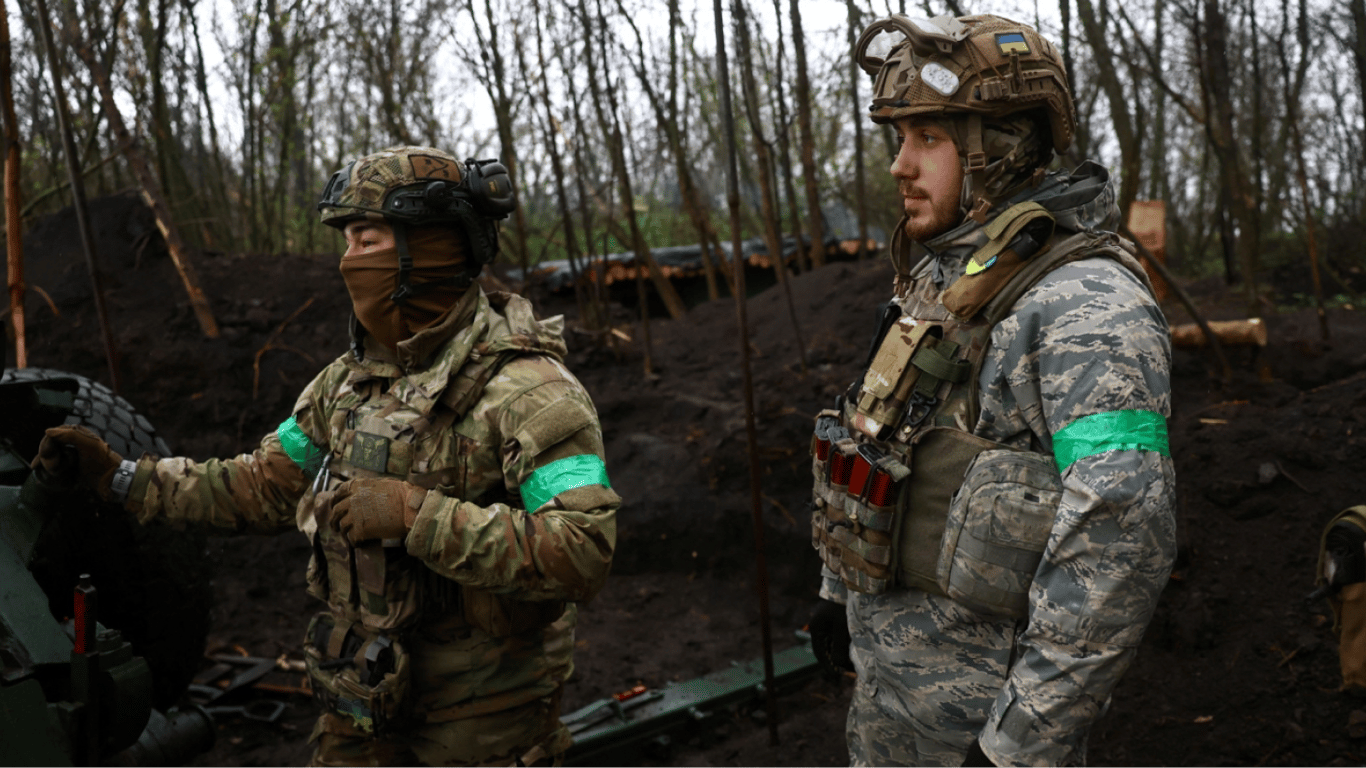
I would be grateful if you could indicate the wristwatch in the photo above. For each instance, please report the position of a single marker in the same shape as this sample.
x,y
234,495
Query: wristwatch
x,y
123,480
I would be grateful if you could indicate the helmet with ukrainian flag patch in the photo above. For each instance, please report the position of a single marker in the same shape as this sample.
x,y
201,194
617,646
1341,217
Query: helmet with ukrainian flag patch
x,y
985,65
996,83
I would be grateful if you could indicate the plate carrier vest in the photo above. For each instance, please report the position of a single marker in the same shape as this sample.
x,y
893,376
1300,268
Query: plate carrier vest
x,y
890,461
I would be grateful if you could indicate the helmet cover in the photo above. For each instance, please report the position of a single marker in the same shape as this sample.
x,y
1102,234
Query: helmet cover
x,y
987,78
418,186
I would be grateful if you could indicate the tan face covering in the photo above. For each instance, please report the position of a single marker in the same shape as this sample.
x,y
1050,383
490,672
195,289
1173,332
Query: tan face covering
x,y
438,253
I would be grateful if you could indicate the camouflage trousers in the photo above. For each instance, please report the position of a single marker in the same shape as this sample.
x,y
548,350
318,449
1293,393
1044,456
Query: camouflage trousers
x,y
528,734
928,672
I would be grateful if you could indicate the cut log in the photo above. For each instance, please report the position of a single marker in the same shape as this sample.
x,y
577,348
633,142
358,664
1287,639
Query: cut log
x,y
1244,333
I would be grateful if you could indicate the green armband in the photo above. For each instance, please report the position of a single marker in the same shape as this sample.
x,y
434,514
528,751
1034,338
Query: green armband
x,y
559,476
1110,431
300,447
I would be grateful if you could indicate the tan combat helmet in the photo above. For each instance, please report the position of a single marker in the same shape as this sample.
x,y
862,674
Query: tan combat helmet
x,y
969,68
419,186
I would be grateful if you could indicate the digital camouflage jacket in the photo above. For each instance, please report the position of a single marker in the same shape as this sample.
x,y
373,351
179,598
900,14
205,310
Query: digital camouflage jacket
x,y
1087,342
518,509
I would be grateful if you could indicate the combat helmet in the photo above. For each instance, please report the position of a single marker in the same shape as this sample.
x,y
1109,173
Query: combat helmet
x,y
418,186
970,68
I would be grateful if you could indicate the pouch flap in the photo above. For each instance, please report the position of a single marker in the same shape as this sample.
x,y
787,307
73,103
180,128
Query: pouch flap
x,y
893,355
994,264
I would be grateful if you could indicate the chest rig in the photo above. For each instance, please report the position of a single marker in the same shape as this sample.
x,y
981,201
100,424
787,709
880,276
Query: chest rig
x,y
374,433
889,461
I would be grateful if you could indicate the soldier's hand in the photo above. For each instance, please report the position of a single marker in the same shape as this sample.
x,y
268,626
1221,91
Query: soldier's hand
x,y
365,509
830,635
75,454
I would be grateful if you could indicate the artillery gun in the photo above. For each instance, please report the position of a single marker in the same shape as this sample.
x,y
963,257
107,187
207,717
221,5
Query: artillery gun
x,y
102,621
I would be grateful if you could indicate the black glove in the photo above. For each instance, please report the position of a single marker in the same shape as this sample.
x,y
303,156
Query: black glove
x,y
976,757
830,636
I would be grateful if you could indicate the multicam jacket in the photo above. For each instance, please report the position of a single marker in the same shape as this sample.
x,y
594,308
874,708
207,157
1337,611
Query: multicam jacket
x,y
1087,342
518,508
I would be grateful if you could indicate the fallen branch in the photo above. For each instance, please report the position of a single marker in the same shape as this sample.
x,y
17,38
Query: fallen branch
x,y
781,508
270,344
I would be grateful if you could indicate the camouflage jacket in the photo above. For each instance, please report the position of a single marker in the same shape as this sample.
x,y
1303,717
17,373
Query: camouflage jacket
x,y
473,529
1085,342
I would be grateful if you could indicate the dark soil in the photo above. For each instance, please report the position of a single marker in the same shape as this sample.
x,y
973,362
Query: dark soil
x,y
1237,668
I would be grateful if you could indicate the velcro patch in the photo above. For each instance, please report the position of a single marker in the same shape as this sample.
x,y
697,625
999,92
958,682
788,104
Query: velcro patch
x,y
553,424
370,452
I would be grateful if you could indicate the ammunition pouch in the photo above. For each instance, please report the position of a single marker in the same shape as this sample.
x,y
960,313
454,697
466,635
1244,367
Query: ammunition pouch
x,y
972,526
997,528
380,587
853,524
902,384
358,675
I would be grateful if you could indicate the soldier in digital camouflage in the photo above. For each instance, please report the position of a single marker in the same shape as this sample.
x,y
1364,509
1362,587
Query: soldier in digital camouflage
x,y
447,470
994,497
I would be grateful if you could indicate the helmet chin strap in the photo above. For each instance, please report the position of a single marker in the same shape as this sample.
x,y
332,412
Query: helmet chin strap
x,y
406,290
975,169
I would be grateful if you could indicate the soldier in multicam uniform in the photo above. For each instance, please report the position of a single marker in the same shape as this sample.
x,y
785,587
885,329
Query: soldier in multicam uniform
x,y
995,495
448,471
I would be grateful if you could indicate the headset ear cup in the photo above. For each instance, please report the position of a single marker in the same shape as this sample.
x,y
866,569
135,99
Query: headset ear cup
x,y
490,186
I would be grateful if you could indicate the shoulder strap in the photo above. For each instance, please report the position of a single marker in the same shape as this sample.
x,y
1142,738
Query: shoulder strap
x,y
903,252
1081,245
468,384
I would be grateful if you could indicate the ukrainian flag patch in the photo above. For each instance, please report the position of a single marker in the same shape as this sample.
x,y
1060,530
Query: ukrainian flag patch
x,y
1012,42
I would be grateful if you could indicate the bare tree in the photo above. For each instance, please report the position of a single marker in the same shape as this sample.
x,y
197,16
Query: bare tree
x,y
14,225
815,221
763,151
604,96
667,119
860,189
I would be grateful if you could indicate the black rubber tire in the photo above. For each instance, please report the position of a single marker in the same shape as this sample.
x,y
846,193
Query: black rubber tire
x,y
153,582
97,407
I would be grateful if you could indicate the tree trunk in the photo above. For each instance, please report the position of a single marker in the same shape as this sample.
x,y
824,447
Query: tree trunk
x,y
773,238
1357,10
152,195
78,193
742,327
502,111
1223,139
14,224
815,222
550,128
1130,141
611,129
860,193
667,119
784,143
1292,119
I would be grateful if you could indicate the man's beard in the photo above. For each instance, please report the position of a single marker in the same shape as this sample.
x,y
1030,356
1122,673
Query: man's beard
x,y
944,215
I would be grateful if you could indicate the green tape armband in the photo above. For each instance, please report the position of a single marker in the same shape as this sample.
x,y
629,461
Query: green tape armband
x,y
300,447
1110,431
559,476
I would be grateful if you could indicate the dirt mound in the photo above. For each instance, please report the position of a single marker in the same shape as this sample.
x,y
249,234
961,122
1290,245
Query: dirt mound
x,y
1237,669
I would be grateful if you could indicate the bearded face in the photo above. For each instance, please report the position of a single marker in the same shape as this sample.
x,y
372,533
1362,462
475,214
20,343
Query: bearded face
x,y
929,176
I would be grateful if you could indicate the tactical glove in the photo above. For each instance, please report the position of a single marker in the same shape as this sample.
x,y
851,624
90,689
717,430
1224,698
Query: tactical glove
x,y
830,636
77,455
365,509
